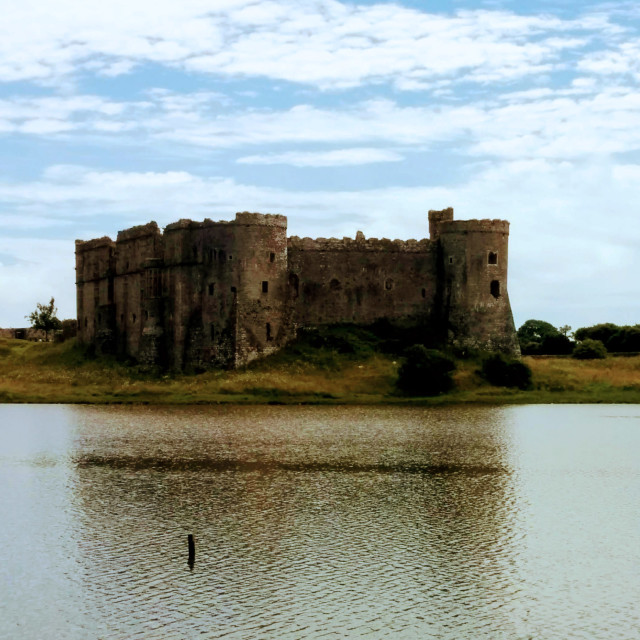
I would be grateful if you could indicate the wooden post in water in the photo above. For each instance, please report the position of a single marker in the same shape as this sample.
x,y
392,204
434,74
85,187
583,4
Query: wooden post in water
x,y
192,551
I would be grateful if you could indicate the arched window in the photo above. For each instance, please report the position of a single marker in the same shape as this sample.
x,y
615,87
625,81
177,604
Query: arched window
x,y
492,258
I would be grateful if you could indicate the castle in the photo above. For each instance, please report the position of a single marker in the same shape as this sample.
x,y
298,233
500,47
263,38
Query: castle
x,y
220,294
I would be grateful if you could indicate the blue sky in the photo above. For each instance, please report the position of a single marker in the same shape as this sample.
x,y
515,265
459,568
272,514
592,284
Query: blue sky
x,y
340,115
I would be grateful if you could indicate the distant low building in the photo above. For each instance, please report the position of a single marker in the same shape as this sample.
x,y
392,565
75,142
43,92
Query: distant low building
x,y
222,294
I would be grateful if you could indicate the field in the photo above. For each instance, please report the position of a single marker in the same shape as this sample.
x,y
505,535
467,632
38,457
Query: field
x,y
38,372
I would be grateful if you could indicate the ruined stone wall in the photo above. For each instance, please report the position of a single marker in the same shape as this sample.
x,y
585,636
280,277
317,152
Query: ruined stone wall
x,y
94,268
475,302
263,324
200,281
223,293
360,280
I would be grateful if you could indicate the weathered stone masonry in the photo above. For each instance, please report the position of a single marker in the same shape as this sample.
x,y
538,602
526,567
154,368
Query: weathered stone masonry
x,y
221,294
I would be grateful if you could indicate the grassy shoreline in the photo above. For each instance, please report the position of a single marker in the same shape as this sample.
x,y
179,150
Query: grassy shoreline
x,y
32,372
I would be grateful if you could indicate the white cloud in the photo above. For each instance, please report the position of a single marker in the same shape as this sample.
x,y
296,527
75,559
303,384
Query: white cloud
x,y
335,158
325,43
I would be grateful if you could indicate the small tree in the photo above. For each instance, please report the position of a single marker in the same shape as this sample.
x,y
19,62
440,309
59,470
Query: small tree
x,y
589,350
425,372
44,317
502,371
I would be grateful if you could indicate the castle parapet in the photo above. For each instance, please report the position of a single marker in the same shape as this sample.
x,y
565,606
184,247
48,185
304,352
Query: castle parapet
x,y
140,231
358,244
264,219
476,226
97,243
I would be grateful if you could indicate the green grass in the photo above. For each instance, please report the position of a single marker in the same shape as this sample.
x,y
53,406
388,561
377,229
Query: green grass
x,y
341,365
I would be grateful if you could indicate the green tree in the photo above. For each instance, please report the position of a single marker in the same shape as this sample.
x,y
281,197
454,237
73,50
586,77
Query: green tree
x,y
425,372
590,349
540,337
44,317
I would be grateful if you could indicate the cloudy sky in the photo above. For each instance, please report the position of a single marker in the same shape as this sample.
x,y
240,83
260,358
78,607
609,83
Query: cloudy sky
x,y
341,115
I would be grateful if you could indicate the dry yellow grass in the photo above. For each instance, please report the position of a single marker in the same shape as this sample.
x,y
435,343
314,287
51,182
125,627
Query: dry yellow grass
x,y
40,372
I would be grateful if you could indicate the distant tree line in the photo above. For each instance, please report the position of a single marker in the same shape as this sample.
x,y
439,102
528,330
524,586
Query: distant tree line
x,y
538,337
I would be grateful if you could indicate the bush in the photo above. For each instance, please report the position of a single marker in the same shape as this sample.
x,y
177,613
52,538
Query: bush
x,y
506,372
425,372
590,350
538,337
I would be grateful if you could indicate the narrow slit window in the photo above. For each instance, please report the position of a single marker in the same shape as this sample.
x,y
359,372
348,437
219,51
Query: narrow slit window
x,y
424,293
450,259
272,257
265,286
495,288
212,287
268,329
493,257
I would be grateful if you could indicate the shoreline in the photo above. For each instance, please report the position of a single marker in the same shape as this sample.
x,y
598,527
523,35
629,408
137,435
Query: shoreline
x,y
48,373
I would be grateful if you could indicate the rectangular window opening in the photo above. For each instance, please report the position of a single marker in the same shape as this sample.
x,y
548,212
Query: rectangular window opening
x,y
272,257
269,336
265,286
212,287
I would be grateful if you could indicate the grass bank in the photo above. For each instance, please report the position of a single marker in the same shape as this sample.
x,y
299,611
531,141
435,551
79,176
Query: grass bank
x,y
324,372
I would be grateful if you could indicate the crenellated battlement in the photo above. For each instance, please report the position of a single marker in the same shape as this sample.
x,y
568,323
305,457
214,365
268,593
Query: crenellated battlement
x,y
140,231
97,243
473,225
296,243
264,219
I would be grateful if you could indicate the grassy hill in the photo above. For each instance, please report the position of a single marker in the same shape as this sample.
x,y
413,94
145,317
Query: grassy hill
x,y
337,366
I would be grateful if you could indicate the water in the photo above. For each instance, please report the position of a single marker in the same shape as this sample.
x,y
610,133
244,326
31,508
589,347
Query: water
x,y
313,522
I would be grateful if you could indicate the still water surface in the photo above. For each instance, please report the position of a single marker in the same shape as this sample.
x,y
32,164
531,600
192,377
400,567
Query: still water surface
x,y
320,522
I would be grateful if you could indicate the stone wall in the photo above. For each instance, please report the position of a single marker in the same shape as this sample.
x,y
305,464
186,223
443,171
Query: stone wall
x,y
212,294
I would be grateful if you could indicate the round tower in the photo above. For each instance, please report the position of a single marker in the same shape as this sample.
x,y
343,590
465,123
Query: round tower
x,y
473,257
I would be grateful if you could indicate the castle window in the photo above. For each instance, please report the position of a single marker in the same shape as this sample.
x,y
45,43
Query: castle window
x,y
294,283
146,315
211,288
230,257
212,331
424,292
272,257
133,318
388,284
492,258
450,259
269,336
265,286
334,285
495,288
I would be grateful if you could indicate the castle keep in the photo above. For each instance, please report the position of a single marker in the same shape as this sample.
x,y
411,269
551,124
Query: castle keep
x,y
221,294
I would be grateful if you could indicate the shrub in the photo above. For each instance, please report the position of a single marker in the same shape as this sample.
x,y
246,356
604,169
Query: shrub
x,y
502,371
589,349
425,372
538,337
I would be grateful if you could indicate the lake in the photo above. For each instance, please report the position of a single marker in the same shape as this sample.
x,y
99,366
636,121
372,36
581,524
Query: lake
x,y
320,522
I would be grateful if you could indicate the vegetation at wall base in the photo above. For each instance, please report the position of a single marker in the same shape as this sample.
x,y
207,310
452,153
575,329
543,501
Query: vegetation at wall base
x,y
42,372
502,371
425,372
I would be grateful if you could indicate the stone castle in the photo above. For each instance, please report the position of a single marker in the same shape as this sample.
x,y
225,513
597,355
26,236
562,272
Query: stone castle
x,y
221,294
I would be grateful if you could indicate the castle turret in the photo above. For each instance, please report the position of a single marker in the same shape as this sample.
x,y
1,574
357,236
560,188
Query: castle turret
x,y
473,257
